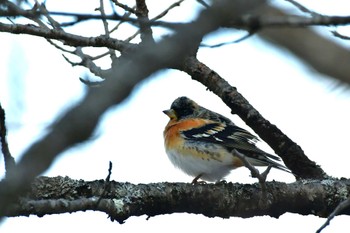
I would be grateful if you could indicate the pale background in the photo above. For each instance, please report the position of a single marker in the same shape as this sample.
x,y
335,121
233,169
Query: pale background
x,y
37,85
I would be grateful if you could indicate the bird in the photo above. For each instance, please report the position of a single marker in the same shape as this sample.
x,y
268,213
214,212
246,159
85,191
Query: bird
x,y
204,144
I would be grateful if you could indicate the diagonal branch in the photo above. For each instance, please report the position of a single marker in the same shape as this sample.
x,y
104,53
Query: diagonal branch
x,y
338,210
291,153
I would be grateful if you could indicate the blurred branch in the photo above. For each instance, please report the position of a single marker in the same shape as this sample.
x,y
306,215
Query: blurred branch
x,y
273,25
166,11
262,21
8,159
245,37
323,55
125,7
303,8
64,195
337,34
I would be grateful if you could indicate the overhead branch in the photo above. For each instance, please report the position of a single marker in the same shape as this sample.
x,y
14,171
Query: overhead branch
x,y
323,55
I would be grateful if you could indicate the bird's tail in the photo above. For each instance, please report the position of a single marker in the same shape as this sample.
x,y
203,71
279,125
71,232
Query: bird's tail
x,y
265,159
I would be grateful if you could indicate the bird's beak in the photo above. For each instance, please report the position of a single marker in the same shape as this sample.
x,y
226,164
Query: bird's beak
x,y
170,113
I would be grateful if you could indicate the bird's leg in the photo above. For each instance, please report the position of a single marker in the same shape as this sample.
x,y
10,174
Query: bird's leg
x,y
195,180
255,172
264,174
263,202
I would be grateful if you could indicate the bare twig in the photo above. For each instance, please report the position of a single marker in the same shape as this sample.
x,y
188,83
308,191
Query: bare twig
x,y
91,83
341,207
54,44
53,22
86,60
166,11
130,38
107,185
302,8
125,7
67,38
103,15
105,26
337,34
153,20
250,34
262,21
108,178
203,3
145,27
126,15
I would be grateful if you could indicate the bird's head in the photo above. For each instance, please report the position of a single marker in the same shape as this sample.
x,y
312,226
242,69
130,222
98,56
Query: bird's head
x,y
181,108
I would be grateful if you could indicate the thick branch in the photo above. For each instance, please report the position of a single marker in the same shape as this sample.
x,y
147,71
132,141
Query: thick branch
x,y
293,156
62,195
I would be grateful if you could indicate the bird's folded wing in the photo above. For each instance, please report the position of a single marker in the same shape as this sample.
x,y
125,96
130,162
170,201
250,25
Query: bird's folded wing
x,y
230,136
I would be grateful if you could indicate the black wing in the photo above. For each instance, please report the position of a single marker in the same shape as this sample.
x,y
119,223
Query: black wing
x,y
229,135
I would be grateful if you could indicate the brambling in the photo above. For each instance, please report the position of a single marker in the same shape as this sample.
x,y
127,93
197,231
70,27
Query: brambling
x,y
203,143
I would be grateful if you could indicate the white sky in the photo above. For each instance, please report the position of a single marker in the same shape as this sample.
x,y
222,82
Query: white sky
x,y
310,109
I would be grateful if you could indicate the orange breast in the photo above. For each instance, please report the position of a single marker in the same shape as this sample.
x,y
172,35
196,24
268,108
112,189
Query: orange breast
x,y
173,129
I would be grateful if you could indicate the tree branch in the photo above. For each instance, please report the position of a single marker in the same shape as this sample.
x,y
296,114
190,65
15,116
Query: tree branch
x,y
338,210
304,43
123,200
145,27
8,159
291,153
65,37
